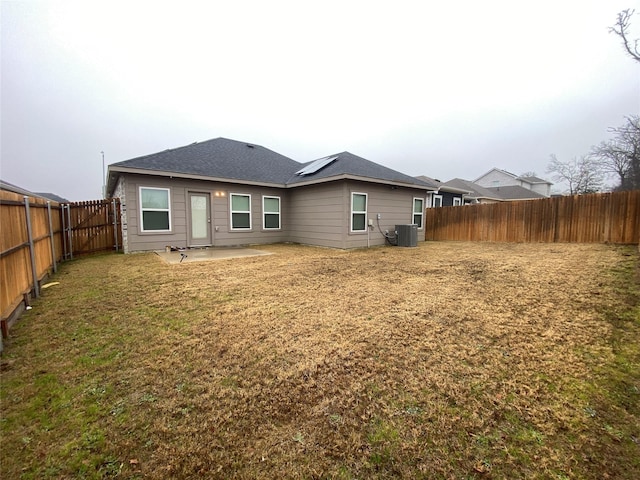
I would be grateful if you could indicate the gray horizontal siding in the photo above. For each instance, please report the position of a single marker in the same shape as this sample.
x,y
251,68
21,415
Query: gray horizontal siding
x,y
316,214
222,235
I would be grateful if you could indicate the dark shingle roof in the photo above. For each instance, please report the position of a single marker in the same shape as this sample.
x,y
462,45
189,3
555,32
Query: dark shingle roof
x,y
229,159
348,164
219,158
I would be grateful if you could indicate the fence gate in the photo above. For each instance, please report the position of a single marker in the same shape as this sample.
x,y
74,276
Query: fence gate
x,y
90,227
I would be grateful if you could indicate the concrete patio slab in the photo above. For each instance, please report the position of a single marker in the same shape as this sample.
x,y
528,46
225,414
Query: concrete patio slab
x,y
206,254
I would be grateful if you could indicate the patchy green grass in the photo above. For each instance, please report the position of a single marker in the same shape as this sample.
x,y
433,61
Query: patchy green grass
x,y
450,360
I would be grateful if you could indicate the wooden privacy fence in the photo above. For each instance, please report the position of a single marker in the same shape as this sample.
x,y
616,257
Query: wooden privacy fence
x,y
91,226
35,234
595,218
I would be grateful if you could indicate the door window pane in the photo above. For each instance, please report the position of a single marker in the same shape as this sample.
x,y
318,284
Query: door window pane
x,y
199,220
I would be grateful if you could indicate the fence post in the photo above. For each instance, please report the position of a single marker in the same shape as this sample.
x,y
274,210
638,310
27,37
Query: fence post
x,y
115,224
63,234
69,230
34,269
53,243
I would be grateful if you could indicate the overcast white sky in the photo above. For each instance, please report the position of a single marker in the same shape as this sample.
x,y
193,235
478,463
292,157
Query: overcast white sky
x,y
444,89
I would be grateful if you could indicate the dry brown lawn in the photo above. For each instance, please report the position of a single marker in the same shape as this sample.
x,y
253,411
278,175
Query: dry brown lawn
x,y
450,360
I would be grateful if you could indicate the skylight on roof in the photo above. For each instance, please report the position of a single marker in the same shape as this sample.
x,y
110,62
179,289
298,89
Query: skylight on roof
x,y
316,165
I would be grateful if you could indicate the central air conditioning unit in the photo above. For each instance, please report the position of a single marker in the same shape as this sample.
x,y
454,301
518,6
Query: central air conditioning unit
x,y
407,235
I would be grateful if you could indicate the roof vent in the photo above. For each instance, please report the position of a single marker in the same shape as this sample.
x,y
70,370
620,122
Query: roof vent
x,y
313,167
250,146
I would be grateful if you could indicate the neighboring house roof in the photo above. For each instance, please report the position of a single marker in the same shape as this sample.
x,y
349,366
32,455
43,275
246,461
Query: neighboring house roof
x,y
10,187
53,197
477,192
430,181
505,193
230,160
515,192
534,180
494,169
442,186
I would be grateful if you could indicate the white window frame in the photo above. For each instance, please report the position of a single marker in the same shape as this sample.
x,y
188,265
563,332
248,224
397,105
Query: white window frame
x,y
457,201
142,210
413,212
437,197
360,212
265,213
232,211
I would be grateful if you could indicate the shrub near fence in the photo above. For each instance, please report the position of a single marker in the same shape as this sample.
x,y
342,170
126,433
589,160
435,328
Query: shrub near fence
x,y
596,218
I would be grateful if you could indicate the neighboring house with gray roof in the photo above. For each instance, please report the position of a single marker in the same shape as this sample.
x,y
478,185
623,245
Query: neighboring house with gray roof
x,y
515,192
477,193
223,192
53,197
445,195
15,189
501,178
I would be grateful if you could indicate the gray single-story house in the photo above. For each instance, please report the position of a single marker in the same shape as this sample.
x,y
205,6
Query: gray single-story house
x,y
224,192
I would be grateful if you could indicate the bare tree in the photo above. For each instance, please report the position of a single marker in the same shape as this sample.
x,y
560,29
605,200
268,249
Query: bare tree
x,y
582,175
621,28
620,156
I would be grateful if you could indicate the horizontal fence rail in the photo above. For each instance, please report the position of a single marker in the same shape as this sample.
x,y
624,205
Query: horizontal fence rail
x,y
596,218
36,234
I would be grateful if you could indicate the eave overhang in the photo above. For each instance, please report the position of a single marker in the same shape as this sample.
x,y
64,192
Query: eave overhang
x,y
346,176
114,171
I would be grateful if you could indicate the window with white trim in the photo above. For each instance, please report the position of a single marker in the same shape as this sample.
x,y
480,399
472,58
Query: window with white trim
x,y
270,213
155,209
457,201
240,211
418,211
358,212
437,200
